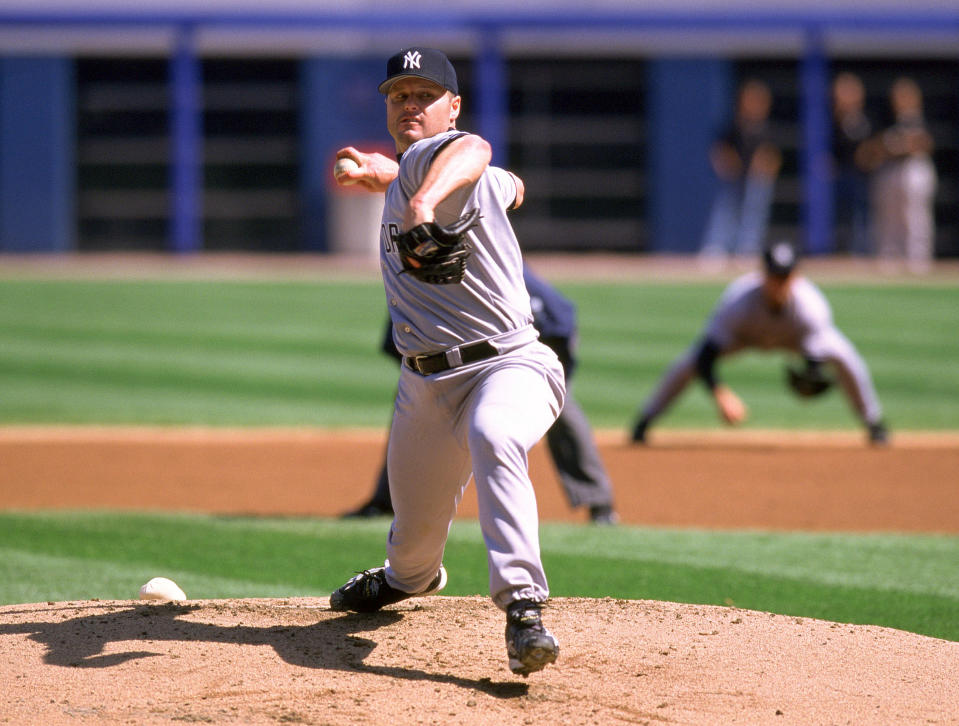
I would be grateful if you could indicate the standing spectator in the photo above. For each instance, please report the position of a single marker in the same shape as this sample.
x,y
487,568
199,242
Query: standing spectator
x,y
746,160
904,185
851,180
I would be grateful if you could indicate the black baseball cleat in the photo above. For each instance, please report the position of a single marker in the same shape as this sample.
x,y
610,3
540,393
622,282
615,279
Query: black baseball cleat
x,y
878,434
368,510
529,645
603,514
369,591
639,431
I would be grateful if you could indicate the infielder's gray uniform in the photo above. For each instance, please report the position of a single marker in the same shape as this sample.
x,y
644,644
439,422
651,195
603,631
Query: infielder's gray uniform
x,y
742,319
482,416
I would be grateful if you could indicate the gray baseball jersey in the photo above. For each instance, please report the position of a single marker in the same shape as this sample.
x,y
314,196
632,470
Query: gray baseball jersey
x,y
742,319
481,417
492,299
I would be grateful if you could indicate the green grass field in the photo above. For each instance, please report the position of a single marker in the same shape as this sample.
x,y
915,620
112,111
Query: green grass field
x,y
296,353
242,353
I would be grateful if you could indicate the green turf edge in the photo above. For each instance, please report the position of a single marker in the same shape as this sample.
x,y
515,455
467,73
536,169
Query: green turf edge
x,y
108,555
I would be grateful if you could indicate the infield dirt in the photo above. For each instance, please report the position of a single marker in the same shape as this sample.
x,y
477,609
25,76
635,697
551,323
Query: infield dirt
x,y
442,659
718,478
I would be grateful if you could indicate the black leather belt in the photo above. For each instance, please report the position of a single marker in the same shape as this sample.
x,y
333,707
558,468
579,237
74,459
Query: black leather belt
x,y
436,362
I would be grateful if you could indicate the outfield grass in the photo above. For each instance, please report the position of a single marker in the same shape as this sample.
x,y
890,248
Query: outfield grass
x,y
302,353
907,582
223,353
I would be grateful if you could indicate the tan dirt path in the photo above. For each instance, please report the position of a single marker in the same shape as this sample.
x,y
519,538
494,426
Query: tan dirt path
x,y
717,479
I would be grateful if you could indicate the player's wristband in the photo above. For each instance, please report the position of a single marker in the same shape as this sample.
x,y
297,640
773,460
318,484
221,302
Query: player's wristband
x,y
706,364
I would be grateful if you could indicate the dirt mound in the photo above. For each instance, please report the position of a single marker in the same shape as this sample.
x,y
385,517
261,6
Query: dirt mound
x,y
442,660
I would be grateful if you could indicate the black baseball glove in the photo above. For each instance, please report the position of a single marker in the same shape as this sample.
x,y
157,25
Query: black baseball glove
x,y
435,253
813,380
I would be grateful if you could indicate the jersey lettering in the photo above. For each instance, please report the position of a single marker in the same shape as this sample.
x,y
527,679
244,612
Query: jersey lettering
x,y
390,232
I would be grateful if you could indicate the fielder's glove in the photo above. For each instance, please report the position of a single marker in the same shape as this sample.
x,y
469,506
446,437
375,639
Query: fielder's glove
x,y
435,253
810,381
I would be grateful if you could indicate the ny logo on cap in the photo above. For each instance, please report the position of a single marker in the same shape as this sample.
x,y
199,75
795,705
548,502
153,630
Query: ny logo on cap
x,y
783,254
412,59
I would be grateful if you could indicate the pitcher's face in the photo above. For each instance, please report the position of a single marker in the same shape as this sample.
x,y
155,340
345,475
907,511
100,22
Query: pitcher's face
x,y
418,109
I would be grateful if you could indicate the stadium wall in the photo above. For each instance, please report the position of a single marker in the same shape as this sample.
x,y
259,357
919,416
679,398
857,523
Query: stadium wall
x,y
334,49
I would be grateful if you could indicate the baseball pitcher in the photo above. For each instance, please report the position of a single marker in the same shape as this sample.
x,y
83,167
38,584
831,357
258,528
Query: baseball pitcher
x,y
477,389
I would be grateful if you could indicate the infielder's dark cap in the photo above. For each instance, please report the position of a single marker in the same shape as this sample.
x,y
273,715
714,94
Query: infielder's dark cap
x,y
780,258
428,63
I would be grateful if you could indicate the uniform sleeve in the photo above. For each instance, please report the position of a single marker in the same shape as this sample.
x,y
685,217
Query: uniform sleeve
x,y
815,317
413,166
504,184
728,314
416,160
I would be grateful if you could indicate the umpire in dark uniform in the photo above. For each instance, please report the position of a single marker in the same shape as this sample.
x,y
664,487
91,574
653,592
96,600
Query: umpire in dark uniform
x,y
570,439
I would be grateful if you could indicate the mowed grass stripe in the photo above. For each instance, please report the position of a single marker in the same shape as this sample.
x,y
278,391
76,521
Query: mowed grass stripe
x,y
871,561
269,377
74,578
301,353
42,403
203,544
903,581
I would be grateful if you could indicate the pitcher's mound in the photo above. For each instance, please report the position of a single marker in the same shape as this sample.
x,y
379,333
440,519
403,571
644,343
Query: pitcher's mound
x,y
442,660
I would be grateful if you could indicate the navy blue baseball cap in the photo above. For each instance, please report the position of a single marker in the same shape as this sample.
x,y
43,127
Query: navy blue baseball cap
x,y
428,63
780,258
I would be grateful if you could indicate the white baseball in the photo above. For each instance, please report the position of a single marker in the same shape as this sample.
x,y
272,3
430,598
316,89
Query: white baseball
x,y
343,166
161,589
